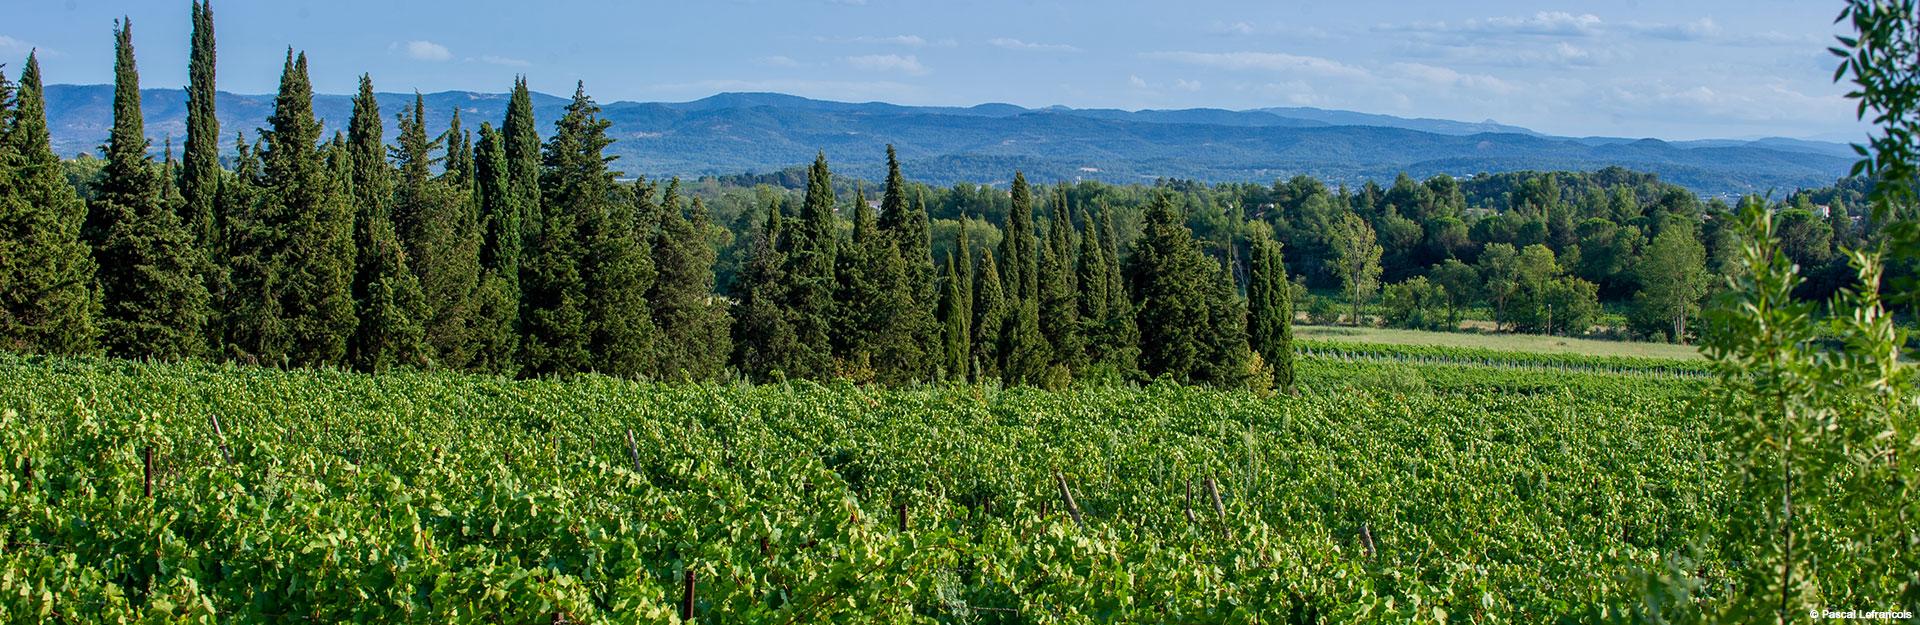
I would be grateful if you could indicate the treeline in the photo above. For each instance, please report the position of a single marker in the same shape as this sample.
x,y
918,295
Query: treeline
x,y
499,252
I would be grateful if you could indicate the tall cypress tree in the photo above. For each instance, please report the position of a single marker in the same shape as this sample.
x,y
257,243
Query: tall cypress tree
x,y
437,227
1227,355
200,168
765,345
293,252
497,301
863,307
1270,311
694,340
155,302
459,163
1170,279
1119,330
48,303
386,292
956,309
1059,307
1021,266
810,273
521,145
989,317
614,269
906,224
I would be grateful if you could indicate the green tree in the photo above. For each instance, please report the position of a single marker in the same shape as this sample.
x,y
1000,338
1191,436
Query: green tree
x,y
1416,303
989,317
614,265
956,314
1270,310
1059,306
906,224
1673,279
1228,359
765,344
386,293
1500,270
496,323
520,138
1357,258
200,172
48,304
694,327
438,228
1461,283
155,303
810,273
292,252
1021,266
1170,278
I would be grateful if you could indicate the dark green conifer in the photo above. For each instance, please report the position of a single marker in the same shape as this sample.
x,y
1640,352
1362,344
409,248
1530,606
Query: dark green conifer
x,y
386,292
614,269
497,301
200,168
1226,363
437,227
47,301
1170,279
1270,311
810,275
293,251
765,345
155,304
1059,307
694,326
521,144
989,317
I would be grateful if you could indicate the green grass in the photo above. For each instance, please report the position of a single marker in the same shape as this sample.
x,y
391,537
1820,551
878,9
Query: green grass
x,y
1531,343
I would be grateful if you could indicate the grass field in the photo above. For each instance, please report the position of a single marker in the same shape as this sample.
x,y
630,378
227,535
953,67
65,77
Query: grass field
x,y
1531,343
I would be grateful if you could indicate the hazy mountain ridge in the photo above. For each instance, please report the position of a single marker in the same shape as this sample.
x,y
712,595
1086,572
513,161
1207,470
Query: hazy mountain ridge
x,y
761,132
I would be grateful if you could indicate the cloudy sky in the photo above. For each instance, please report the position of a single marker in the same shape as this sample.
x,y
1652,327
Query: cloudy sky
x,y
1669,69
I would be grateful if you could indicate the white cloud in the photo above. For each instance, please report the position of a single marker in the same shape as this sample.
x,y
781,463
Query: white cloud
x,y
1544,23
491,59
778,60
907,64
1264,61
1447,77
14,45
911,41
1697,30
421,50
1137,82
1016,44
1186,85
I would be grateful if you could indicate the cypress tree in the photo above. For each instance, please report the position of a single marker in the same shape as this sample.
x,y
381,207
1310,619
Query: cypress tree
x,y
861,303
293,253
1120,333
386,293
614,270
497,302
1270,311
200,168
1226,362
522,148
1169,277
459,164
906,223
1059,313
956,310
810,273
155,302
47,300
694,328
436,226
1017,248
989,317
765,344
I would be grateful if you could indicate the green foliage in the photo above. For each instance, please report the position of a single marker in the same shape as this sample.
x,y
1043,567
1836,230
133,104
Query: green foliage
x,y
811,258
155,303
386,292
1170,278
200,172
291,249
693,323
1674,279
989,317
496,318
1357,258
1270,311
48,304
1416,304
765,345
1059,304
440,231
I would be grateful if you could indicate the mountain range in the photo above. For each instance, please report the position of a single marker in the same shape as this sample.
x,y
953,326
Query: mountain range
x,y
733,133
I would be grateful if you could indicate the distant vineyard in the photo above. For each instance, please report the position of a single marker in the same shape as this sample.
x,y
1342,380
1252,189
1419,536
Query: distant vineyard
x,y
1384,493
1424,354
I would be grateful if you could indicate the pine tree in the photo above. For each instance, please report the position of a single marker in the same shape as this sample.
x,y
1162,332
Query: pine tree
x,y
386,293
810,273
436,226
155,302
47,300
1059,307
200,173
614,269
764,341
1170,278
694,329
989,317
496,322
1270,311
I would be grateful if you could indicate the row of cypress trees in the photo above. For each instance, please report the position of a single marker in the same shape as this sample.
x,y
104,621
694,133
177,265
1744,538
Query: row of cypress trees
x,y
511,255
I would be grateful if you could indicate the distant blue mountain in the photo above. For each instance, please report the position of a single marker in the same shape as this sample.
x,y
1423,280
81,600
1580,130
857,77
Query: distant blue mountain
x,y
734,133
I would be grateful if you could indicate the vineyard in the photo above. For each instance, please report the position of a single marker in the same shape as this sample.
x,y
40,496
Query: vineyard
x,y
1384,492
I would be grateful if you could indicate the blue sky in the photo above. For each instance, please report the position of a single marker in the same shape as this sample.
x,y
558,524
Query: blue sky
x,y
1677,70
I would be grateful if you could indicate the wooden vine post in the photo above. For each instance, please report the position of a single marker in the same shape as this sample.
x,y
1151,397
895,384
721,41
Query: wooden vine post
x,y
686,597
1066,496
146,471
633,451
220,437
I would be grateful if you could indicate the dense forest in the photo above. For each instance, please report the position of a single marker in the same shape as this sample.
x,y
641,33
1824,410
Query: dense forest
x,y
502,250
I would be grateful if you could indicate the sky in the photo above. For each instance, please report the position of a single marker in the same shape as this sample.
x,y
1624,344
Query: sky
x,y
1672,69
